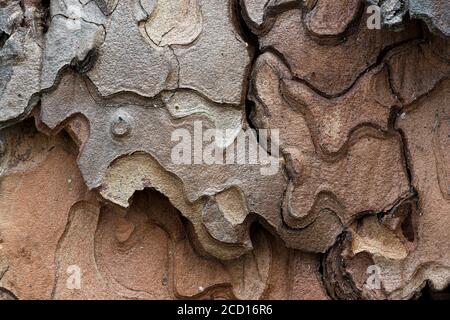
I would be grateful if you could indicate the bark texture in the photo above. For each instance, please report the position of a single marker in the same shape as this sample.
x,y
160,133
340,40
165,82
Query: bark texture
x,y
91,92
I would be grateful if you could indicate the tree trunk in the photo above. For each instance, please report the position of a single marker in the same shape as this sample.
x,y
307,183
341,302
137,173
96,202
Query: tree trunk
x,y
241,149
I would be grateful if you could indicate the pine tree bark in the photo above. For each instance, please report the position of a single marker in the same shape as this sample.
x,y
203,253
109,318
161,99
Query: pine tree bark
x,y
352,201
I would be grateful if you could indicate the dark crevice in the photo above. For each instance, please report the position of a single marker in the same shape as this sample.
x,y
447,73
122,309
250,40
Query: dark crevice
x,y
405,210
22,6
337,281
392,125
428,293
321,273
83,66
3,38
5,294
253,42
45,15
407,225
407,161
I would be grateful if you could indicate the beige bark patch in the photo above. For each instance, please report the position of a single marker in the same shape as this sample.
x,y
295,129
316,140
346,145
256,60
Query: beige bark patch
x,y
375,238
175,22
232,204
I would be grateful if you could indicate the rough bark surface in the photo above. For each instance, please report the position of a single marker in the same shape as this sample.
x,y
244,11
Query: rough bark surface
x,y
91,92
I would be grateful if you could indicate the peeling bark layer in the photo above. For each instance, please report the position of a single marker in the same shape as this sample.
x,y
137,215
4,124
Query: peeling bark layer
x,y
348,197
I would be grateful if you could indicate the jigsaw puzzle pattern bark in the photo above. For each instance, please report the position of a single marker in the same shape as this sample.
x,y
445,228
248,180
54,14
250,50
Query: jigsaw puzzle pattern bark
x,y
121,130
